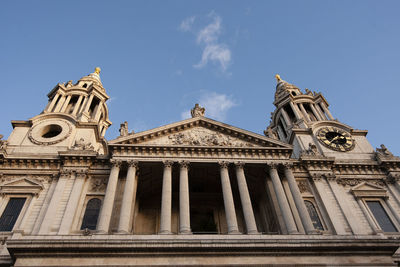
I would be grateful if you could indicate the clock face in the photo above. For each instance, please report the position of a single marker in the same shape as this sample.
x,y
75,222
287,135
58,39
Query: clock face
x,y
336,139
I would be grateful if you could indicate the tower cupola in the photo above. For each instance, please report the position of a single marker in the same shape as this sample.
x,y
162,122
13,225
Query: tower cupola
x,y
295,109
84,100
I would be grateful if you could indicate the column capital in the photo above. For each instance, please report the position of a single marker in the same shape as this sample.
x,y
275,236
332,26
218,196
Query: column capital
x,y
116,162
239,164
184,164
66,173
168,163
133,163
82,173
223,164
287,165
273,165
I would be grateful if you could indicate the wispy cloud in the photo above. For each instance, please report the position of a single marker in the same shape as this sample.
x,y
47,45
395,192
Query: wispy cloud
x,y
186,24
207,37
217,105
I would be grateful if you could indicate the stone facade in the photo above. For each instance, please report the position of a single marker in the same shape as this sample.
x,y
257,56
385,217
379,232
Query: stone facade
x,y
311,192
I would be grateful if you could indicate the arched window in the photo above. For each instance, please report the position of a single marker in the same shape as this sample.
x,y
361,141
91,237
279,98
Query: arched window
x,y
91,214
314,215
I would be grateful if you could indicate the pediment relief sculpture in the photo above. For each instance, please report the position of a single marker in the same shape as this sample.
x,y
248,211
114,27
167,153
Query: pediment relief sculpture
x,y
201,137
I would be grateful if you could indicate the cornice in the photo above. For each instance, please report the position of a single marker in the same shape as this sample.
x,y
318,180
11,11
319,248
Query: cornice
x,y
200,151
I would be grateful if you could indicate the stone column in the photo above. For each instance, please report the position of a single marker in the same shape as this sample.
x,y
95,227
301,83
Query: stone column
x,y
166,199
286,117
298,200
65,105
326,110
53,102
60,103
229,205
77,105
316,114
129,197
72,204
55,200
295,110
245,199
184,206
303,110
108,202
318,107
282,200
88,103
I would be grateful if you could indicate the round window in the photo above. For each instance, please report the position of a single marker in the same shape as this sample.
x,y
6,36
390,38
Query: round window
x,y
51,130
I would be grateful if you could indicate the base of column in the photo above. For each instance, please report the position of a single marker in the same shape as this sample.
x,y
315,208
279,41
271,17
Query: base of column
x,y
122,232
101,232
165,233
234,232
295,233
253,233
185,232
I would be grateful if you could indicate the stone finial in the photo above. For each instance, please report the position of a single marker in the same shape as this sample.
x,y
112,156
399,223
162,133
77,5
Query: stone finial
x,y
97,70
197,111
278,78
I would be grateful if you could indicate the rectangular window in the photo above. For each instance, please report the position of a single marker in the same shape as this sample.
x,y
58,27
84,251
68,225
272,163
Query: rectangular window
x,y
11,213
381,216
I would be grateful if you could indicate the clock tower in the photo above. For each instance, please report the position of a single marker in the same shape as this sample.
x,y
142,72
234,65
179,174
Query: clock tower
x,y
304,120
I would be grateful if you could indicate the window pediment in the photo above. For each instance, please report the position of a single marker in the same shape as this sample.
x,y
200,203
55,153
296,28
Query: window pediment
x,y
366,189
21,186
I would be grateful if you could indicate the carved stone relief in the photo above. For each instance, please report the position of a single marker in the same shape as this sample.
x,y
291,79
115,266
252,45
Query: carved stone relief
x,y
98,184
82,145
201,137
303,186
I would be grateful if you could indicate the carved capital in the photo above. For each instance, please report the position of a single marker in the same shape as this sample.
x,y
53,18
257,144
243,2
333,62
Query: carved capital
x,y
82,173
239,164
168,163
66,173
223,164
273,165
288,165
116,163
133,163
316,176
184,164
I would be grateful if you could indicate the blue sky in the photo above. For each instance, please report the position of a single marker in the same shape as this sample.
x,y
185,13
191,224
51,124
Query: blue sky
x,y
159,58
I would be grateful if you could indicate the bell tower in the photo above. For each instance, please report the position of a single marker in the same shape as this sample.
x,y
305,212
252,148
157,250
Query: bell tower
x,y
76,116
304,120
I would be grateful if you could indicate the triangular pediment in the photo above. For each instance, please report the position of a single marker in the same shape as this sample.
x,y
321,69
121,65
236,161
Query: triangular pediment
x,y
366,189
200,131
21,186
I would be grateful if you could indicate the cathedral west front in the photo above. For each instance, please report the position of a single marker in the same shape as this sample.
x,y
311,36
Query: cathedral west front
x,y
309,191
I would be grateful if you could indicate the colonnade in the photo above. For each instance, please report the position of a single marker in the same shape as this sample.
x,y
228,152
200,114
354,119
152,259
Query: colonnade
x,y
129,195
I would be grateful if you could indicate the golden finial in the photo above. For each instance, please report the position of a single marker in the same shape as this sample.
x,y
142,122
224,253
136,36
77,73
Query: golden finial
x,y
97,70
278,78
